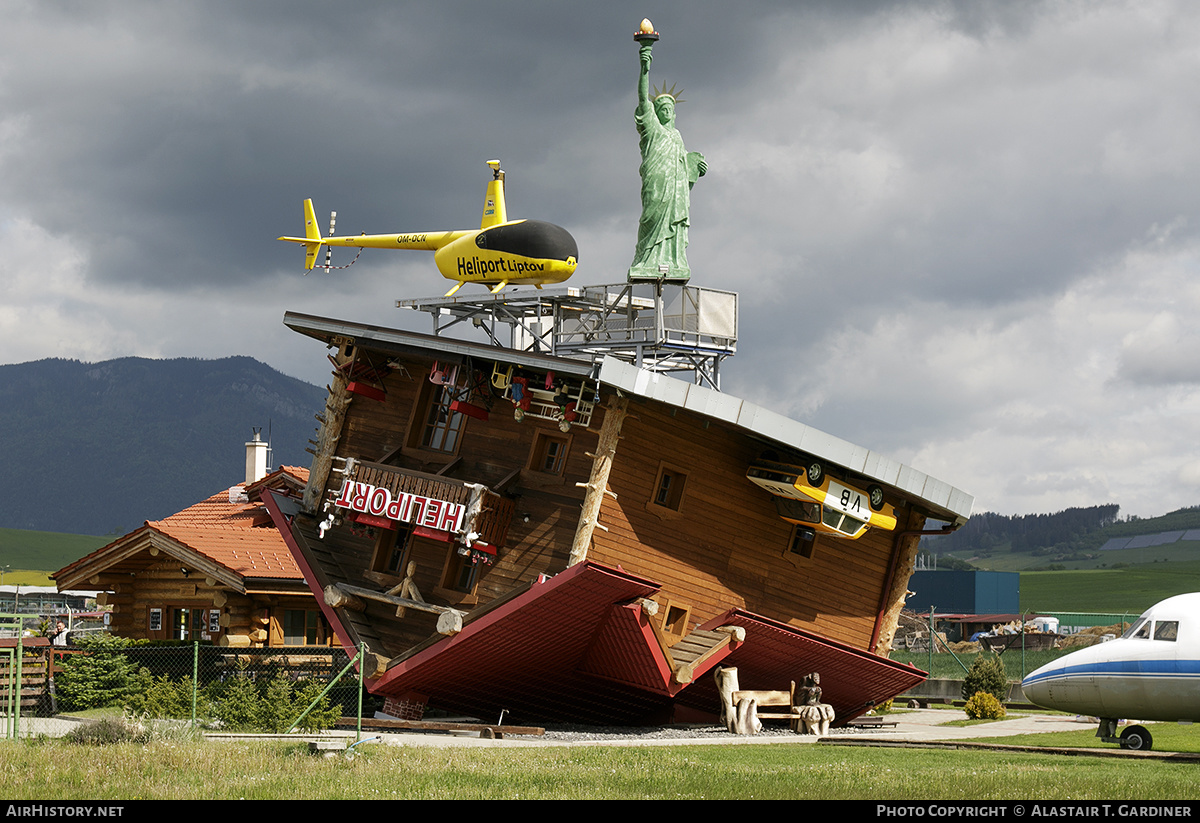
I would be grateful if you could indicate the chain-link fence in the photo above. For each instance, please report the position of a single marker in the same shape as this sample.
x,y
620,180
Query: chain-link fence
x,y
233,689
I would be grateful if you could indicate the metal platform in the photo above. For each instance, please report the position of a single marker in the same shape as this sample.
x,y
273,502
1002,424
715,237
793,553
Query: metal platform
x,y
663,327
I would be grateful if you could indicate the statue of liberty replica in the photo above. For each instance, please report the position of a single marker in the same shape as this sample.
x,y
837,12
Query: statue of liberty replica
x,y
668,173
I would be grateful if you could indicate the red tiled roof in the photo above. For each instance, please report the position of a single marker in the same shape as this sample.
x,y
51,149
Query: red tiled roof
x,y
237,535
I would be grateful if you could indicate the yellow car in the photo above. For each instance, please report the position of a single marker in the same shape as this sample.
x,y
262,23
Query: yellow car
x,y
805,495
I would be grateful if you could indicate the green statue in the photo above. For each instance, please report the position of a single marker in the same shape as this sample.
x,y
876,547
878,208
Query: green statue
x,y
668,173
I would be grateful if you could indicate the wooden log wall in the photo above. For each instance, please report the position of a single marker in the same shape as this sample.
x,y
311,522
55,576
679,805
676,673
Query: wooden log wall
x,y
726,546
541,510
246,620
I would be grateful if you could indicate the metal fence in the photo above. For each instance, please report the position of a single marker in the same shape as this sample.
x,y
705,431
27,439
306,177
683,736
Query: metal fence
x,y
219,687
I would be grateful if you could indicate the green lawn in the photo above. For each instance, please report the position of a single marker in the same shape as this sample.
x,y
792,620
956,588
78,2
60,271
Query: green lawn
x,y
1168,737
1132,590
56,770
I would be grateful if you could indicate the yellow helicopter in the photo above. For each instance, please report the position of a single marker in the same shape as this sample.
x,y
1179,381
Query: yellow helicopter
x,y
499,252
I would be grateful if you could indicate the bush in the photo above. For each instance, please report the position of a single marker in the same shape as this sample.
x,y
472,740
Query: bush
x,y
234,702
323,715
986,675
983,706
110,730
101,677
164,698
239,704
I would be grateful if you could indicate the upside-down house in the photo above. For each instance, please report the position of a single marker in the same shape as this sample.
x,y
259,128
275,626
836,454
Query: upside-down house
x,y
584,539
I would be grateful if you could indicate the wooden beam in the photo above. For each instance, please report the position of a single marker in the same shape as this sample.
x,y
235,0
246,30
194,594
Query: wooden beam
x,y
904,562
439,726
449,619
335,417
610,435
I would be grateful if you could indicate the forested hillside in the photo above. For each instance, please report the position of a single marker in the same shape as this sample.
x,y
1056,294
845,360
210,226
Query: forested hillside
x,y
1029,532
98,448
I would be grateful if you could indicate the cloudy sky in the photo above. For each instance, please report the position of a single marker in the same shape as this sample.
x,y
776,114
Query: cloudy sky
x,y
965,234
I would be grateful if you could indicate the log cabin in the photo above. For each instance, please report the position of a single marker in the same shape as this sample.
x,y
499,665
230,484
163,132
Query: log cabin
x,y
582,540
216,572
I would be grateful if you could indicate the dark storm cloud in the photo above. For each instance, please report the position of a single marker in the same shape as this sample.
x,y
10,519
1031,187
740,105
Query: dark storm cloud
x,y
954,225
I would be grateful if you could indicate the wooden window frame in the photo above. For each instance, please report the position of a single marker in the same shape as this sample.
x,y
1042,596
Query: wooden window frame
x,y
539,452
432,397
451,570
166,613
668,501
385,548
807,547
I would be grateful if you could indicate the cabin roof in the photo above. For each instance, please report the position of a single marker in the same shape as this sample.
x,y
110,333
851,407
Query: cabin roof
x,y
940,499
574,649
235,535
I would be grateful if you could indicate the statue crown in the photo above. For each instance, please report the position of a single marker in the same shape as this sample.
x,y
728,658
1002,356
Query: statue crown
x,y
663,91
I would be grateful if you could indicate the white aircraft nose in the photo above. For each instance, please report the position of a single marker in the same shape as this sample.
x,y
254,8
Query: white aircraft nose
x,y
1036,685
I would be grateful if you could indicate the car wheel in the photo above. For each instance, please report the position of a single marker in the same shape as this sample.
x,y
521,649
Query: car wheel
x,y
815,473
876,495
1136,739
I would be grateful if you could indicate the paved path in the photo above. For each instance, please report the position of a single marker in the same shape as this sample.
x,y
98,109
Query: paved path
x,y
923,725
920,725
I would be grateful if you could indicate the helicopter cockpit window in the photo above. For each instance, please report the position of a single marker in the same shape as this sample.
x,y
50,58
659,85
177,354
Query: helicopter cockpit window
x,y
1166,630
1140,629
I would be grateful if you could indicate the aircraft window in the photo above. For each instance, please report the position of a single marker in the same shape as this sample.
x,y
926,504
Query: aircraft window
x,y
1166,630
1139,629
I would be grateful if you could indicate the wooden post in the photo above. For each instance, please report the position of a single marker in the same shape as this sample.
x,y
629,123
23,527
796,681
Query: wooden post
x,y
331,430
726,678
610,434
894,603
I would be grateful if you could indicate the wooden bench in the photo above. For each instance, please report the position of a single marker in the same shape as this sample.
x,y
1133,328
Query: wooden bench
x,y
772,699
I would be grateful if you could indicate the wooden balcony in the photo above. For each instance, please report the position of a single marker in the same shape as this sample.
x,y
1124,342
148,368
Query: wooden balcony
x,y
486,513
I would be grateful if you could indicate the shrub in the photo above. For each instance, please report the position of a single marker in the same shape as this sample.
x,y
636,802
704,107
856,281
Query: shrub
x,y
239,704
986,675
234,702
102,676
165,698
984,706
110,730
323,715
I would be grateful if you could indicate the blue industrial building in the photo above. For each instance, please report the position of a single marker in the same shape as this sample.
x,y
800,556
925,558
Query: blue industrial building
x,y
965,592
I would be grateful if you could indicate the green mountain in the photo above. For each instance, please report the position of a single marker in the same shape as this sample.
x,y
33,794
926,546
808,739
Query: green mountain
x,y
99,448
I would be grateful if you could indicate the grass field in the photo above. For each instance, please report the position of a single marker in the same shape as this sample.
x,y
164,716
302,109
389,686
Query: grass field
x,y
1003,559
1168,737
1132,589
30,556
274,770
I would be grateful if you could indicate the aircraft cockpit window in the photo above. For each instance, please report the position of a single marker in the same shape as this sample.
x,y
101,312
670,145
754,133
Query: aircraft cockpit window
x,y
1166,630
1140,629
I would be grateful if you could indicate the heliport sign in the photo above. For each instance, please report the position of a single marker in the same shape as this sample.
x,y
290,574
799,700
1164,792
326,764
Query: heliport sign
x,y
403,507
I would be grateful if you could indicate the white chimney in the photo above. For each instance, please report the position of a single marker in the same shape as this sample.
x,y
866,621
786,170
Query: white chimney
x,y
256,458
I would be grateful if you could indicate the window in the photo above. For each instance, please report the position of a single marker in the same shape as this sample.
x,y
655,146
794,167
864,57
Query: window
x,y
301,627
1166,630
463,570
1139,630
462,574
549,452
442,426
667,495
390,551
802,542
186,622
